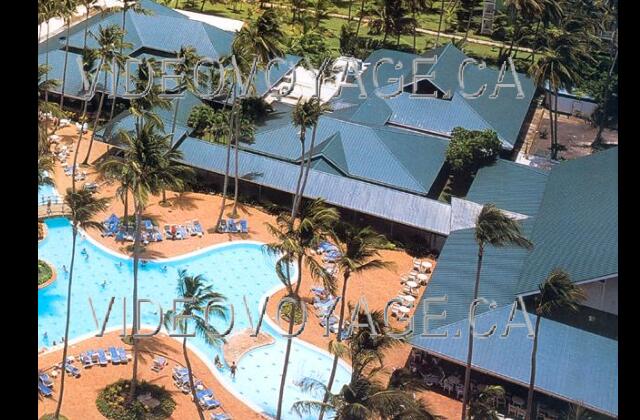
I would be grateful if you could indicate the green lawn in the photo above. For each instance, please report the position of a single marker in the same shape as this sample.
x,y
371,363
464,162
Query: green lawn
x,y
333,25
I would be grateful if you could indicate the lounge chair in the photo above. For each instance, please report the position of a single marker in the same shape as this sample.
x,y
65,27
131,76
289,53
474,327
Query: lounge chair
x,y
167,232
72,370
244,228
102,358
45,380
183,232
190,229
147,224
231,226
115,357
44,390
220,416
123,355
197,227
86,360
157,236
206,399
222,228
158,364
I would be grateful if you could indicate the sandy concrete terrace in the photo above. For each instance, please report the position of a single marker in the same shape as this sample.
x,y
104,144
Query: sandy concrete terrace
x,y
81,393
377,286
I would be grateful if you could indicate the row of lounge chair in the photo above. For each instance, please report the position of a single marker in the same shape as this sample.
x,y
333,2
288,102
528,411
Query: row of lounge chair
x,y
205,397
193,228
89,358
231,226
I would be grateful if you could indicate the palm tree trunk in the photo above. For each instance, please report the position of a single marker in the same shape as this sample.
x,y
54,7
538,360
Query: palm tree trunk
x,y
467,372
415,23
46,76
175,118
555,145
191,383
360,18
202,5
350,4
64,68
95,124
440,22
603,117
532,379
134,327
175,6
67,322
86,27
334,366
296,195
466,33
75,154
234,210
535,40
117,69
308,166
226,172
126,206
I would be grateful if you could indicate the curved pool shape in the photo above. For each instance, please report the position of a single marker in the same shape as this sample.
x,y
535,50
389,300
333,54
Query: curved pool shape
x,y
235,270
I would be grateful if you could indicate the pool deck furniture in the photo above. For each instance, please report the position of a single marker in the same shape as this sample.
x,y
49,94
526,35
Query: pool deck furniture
x,y
72,370
45,380
207,400
115,357
124,357
197,227
44,390
231,226
158,364
244,227
222,228
102,358
220,416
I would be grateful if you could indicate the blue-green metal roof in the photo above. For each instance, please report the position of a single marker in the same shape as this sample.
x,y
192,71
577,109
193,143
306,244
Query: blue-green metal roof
x,y
364,197
383,155
504,114
572,364
510,186
577,224
73,82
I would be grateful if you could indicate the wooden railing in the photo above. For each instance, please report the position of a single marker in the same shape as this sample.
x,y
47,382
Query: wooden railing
x,y
52,206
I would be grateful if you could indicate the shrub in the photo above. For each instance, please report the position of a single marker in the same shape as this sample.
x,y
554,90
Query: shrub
x,y
111,402
469,149
44,272
286,311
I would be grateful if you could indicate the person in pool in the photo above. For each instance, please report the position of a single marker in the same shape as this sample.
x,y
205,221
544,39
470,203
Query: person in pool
x,y
164,268
233,369
217,362
64,268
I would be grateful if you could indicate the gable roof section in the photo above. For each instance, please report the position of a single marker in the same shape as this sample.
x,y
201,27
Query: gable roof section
x,y
404,208
572,364
510,186
577,225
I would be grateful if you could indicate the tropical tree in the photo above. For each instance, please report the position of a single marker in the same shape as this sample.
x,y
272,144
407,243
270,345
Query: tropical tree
x,y
293,243
110,43
84,207
390,17
257,43
526,10
145,163
44,86
136,7
47,9
201,302
557,292
189,58
66,11
557,69
359,253
495,228
484,405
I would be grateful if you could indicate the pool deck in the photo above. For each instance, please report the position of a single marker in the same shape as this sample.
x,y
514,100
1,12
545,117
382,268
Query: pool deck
x,y
241,342
81,393
204,207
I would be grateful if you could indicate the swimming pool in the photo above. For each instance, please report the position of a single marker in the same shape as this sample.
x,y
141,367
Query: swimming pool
x,y
236,270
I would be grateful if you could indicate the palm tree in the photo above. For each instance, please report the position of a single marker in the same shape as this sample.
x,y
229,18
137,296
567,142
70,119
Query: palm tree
x,y
84,207
136,7
552,13
88,4
484,406
495,228
146,154
293,242
302,117
258,43
557,69
202,300
359,249
556,292
66,11
110,42
526,9
44,86
189,58
440,23
48,9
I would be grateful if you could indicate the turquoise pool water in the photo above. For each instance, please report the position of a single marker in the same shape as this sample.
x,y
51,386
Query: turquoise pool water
x,y
235,270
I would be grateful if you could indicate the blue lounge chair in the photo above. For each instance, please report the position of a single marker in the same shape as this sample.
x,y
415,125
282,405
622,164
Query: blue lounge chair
x,y
44,390
244,227
123,355
86,360
231,226
206,399
183,231
167,232
102,358
222,228
197,228
45,379
72,370
220,416
147,224
115,357
158,364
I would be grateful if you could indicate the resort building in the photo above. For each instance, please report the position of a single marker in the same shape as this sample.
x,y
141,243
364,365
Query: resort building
x,y
570,215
